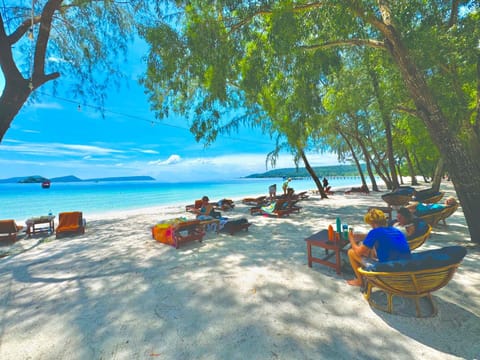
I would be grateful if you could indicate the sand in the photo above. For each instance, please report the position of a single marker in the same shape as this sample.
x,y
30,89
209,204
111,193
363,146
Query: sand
x,y
115,293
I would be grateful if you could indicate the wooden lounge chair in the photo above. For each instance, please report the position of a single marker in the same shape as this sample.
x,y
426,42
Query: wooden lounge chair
x,y
415,278
193,207
9,230
187,231
258,201
418,240
70,223
279,208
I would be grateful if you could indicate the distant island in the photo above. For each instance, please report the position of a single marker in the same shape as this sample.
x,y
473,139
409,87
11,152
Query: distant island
x,y
301,172
71,178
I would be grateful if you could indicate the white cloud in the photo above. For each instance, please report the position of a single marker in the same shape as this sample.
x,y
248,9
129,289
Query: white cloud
x,y
153,152
46,105
58,149
173,159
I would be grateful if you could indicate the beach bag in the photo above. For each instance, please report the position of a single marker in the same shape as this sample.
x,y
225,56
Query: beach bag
x,y
163,233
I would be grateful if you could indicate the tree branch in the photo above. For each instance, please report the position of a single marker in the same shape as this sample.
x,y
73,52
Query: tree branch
x,y
22,29
350,42
42,39
409,111
298,8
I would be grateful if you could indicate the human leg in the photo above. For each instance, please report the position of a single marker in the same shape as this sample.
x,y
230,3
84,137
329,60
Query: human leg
x,y
355,262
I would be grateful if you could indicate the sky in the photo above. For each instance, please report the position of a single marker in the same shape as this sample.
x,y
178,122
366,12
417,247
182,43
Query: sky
x,y
58,136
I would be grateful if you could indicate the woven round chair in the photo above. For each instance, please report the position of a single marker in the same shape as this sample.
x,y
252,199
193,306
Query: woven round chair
x,y
434,218
416,278
418,241
393,199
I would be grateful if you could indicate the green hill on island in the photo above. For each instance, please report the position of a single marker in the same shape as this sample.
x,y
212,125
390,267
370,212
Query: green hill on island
x,y
333,170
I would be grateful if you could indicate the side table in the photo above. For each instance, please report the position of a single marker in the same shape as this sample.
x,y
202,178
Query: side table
x,y
41,220
320,239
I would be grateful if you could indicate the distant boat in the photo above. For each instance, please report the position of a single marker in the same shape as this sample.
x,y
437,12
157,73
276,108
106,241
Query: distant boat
x,y
46,184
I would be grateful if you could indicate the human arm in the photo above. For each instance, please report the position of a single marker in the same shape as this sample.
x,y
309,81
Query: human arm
x,y
359,249
410,229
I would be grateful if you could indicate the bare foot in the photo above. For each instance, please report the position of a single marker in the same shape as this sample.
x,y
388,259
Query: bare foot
x,y
354,282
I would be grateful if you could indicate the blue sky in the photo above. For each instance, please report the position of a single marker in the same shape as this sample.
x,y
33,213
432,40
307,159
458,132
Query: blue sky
x,y
54,136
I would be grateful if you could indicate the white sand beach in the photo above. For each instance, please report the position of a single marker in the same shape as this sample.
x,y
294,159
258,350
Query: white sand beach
x,y
115,293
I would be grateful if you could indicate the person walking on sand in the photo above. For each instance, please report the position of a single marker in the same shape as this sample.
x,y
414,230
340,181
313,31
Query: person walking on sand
x,y
382,243
285,186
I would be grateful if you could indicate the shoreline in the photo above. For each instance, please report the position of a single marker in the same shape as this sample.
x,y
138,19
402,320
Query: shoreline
x,y
114,292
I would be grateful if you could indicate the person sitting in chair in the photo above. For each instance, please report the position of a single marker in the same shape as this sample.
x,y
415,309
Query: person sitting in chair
x,y
420,209
206,211
382,243
408,224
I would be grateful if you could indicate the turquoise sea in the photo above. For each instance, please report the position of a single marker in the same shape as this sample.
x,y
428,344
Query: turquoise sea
x,y
22,201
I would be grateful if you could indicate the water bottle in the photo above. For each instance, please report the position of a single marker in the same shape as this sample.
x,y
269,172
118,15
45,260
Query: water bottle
x,y
339,226
50,212
345,231
331,234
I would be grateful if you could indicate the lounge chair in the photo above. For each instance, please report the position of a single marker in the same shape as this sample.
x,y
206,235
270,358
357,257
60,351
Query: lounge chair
x,y
415,278
9,230
417,240
395,199
70,223
428,196
187,231
195,206
434,217
278,208
258,201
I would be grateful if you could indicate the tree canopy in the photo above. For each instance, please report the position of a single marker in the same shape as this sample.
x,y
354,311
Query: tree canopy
x,y
259,55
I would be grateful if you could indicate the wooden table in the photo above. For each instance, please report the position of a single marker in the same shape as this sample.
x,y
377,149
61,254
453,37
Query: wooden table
x,y
32,222
320,239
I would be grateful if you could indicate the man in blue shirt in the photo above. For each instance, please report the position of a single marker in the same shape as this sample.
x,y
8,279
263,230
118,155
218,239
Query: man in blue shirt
x,y
382,243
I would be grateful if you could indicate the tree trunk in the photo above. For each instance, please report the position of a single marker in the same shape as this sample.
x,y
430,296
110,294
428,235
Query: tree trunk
x,y
388,128
355,158
368,163
411,168
462,164
437,177
313,174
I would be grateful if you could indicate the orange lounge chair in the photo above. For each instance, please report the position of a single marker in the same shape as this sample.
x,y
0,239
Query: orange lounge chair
x,y
192,208
9,230
70,223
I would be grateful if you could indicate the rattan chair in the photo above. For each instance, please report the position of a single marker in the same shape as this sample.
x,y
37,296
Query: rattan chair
x,y
418,241
433,218
393,199
428,196
430,271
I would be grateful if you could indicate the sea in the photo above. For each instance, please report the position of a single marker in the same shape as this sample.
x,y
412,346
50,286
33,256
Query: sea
x,y
23,201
